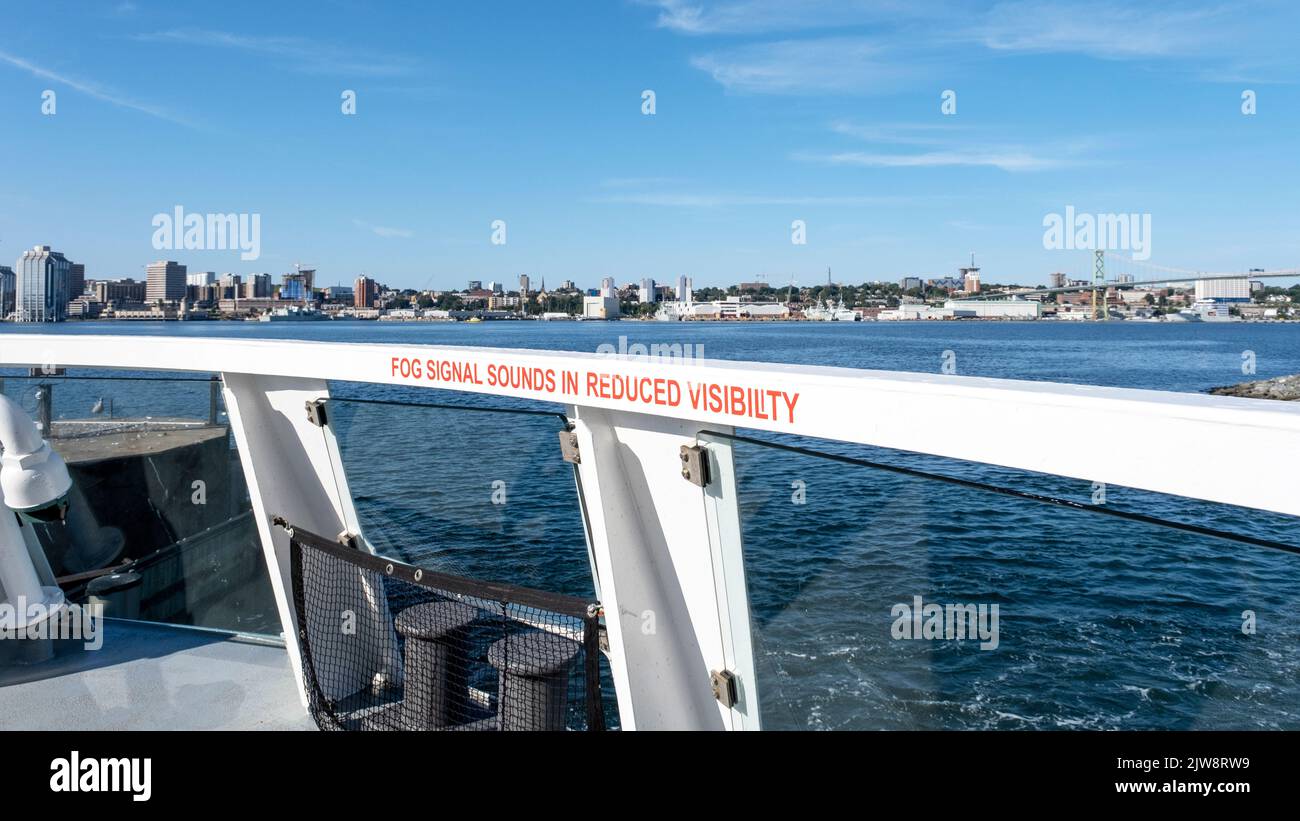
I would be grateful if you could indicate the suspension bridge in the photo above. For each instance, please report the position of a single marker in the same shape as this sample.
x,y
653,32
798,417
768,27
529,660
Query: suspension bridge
x,y
1133,273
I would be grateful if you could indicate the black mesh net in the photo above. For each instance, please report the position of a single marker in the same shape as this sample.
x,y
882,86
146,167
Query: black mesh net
x,y
389,646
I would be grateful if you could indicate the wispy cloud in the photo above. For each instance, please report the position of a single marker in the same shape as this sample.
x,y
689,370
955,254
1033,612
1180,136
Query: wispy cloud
x,y
699,17
94,90
296,53
900,133
638,182
1005,159
940,145
824,65
1108,30
687,199
861,47
384,230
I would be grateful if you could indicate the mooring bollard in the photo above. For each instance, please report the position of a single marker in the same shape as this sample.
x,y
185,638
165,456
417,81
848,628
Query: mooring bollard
x,y
533,679
436,692
117,593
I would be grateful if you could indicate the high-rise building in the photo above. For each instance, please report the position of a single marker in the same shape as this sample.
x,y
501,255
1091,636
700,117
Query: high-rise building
x,y
41,286
365,292
474,285
1059,280
523,286
684,289
607,289
294,288
228,286
76,280
646,293
166,281
8,283
258,286
201,278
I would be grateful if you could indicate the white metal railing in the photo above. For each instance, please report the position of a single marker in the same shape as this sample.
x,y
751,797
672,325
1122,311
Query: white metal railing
x,y
668,546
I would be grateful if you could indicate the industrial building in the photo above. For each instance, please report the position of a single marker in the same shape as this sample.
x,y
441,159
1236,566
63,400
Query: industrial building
x,y
1011,309
1223,290
600,307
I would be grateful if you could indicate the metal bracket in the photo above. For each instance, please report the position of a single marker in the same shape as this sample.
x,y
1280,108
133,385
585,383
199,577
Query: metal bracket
x,y
316,413
569,447
695,465
351,540
723,683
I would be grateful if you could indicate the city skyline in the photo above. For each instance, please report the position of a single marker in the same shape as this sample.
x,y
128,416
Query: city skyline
x,y
831,115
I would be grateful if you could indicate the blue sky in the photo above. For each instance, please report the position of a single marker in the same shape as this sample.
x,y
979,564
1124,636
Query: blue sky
x,y
766,112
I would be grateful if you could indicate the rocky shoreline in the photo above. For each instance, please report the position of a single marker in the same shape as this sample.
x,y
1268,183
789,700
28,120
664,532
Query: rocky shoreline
x,y
1285,388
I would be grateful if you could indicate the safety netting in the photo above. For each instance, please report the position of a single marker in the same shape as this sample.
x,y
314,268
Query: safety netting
x,y
390,646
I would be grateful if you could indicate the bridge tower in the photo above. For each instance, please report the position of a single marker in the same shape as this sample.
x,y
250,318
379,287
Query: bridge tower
x,y
1099,285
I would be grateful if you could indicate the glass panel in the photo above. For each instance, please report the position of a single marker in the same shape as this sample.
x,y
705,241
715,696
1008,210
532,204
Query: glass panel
x,y
478,489
159,524
475,493
1072,618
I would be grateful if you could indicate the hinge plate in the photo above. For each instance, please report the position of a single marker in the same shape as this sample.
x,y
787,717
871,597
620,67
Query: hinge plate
x,y
316,413
569,447
695,465
723,683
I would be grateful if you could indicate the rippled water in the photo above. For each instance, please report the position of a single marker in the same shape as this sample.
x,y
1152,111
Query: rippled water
x,y
1103,623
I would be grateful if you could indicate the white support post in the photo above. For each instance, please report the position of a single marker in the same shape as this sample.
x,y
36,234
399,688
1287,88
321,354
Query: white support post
x,y
293,470
650,535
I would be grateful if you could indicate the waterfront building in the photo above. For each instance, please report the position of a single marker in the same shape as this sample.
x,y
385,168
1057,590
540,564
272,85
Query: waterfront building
x,y
258,286
76,280
295,287
600,307
166,281
8,284
119,291
684,289
994,309
41,286
734,308
1223,290
365,292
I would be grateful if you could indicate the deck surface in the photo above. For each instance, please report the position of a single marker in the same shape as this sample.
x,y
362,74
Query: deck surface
x,y
155,677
